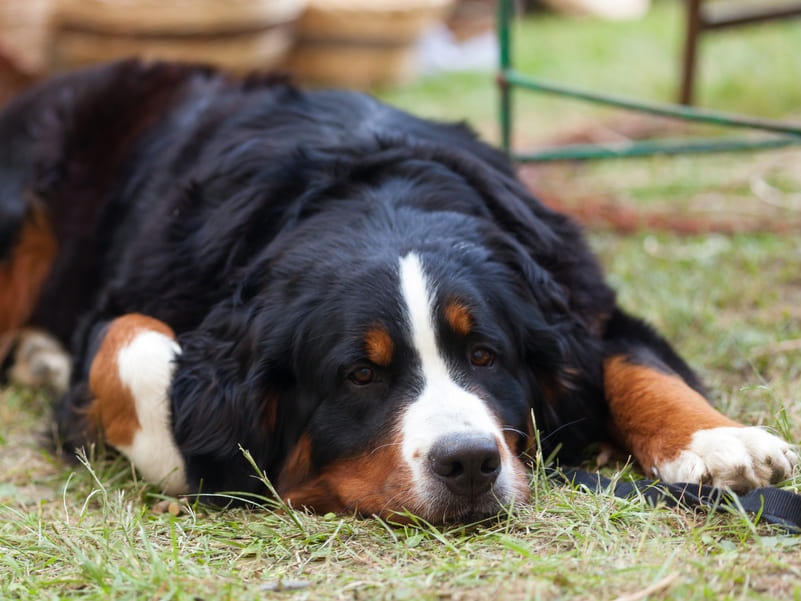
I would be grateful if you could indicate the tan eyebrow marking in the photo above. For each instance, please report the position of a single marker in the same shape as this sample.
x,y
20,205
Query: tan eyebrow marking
x,y
459,318
379,346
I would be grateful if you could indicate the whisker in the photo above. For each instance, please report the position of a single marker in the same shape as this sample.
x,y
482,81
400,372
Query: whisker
x,y
413,508
383,446
562,427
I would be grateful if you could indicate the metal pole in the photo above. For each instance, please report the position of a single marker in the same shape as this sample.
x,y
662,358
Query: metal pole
x,y
645,148
693,31
504,17
686,113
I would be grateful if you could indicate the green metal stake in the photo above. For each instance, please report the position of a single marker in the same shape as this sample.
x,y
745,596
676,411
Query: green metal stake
x,y
504,18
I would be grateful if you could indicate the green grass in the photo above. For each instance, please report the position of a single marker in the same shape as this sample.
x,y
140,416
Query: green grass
x,y
99,539
70,531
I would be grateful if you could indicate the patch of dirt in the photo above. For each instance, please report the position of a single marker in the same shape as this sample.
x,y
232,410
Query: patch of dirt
x,y
25,471
28,473
629,217
747,192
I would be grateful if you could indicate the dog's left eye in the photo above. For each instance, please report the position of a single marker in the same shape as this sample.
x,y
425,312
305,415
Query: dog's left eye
x,y
361,376
482,357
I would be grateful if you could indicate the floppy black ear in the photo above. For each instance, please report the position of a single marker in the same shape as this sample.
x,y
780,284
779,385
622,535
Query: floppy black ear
x,y
232,384
562,358
566,366
216,405
567,285
564,299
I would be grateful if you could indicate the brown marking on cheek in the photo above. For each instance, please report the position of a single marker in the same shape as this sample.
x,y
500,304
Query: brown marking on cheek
x,y
459,318
653,414
375,483
379,346
23,274
113,408
297,467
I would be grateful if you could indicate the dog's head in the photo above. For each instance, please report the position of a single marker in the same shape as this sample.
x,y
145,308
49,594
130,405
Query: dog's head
x,y
387,350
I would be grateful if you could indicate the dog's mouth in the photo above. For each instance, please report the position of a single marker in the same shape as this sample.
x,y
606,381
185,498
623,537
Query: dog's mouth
x,y
465,512
437,505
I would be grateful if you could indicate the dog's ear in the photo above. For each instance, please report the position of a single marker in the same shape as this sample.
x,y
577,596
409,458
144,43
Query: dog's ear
x,y
565,367
231,381
212,396
562,358
560,301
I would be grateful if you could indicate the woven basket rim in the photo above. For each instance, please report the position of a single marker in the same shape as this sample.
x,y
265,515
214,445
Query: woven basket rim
x,y
180,15
377,6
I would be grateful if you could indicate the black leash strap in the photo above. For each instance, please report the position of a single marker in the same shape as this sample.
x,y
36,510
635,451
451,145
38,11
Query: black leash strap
x,y
774,505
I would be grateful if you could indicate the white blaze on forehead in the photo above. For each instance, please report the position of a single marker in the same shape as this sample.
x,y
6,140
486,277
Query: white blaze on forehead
x,y
443,407
419,307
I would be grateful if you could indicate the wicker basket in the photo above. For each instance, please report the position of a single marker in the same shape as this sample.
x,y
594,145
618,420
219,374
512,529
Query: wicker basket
x,y
362,43
24,33
234,34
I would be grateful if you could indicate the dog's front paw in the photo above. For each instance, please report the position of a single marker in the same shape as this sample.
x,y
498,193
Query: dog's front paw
x,y
737,458
40,361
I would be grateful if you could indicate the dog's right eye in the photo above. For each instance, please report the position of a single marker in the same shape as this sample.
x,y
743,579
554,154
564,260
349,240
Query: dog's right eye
x,y
361,376
482,357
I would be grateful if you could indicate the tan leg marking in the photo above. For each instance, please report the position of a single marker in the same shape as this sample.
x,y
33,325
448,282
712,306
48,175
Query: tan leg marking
x,y
114,407
655,414
24,272
129,380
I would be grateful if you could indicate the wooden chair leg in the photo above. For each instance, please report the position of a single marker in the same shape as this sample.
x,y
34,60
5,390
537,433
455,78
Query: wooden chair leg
x,y
693,31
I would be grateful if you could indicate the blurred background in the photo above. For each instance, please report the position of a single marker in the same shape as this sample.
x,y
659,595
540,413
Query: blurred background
x,y
352,43
435,57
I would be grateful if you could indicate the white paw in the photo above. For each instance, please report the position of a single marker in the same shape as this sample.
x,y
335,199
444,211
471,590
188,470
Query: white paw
x,y
40,361
737,458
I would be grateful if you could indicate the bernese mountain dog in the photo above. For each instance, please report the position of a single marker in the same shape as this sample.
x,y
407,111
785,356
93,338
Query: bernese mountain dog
x,y
370,304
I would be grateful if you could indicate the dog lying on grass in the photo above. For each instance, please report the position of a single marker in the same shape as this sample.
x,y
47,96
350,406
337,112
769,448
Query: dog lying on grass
x,y
371,304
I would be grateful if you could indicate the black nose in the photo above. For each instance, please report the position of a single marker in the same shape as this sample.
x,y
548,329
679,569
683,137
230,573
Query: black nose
x,y
468,464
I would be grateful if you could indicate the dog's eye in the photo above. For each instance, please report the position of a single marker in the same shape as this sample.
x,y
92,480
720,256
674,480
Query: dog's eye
x,y
482,357
362,376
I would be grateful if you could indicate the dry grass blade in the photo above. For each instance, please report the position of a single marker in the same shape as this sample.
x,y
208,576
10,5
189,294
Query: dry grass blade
x,y
656,587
